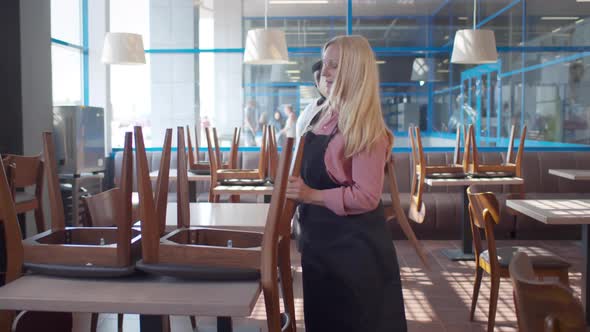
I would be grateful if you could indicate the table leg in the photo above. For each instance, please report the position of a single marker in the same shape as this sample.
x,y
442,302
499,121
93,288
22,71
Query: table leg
x,y
466,252
192,191
152,323
224,324
585,271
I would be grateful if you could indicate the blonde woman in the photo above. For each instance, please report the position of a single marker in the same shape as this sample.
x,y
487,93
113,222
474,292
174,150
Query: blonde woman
x,y
351,279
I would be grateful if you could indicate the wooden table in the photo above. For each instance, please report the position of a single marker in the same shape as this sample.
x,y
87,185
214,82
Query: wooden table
x,y
261,191
562,212
192,181
226,215
572,174
466,252
145,295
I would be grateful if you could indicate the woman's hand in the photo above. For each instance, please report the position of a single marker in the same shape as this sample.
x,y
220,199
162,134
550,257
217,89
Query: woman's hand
x,y
298,190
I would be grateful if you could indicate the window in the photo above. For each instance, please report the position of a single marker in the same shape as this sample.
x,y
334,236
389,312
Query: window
x,y
67,52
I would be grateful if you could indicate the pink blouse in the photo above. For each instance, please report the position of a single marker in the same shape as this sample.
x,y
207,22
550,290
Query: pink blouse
x,y
361,176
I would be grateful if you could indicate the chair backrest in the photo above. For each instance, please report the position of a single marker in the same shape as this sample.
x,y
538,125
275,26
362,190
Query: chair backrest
x,y
519,152
474,158
29,171
277,227
12,242
273,153
150,232
55,200
212,157
543,305
12,233
417,148
183,207
235,146
263,157
193,155
484,213
161,198
217,147
113,207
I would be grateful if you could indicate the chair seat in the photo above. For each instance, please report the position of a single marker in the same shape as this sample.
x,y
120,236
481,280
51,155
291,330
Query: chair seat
x,y
236,171
541,258
23,196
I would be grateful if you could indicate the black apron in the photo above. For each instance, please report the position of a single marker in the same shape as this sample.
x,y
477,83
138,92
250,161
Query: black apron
x,y
351,279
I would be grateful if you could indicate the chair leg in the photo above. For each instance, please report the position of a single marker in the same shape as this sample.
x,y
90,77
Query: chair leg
x,y
39,220
216,198
120,322
287,280
493,302
93,322
193,322
273,307
476,284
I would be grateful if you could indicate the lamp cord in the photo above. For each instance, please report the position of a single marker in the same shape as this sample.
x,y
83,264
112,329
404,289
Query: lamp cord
x,y
265,14
474,14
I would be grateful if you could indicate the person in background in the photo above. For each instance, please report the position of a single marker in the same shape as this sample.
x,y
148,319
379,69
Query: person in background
x,y
289,127
250,122
315,106
351,278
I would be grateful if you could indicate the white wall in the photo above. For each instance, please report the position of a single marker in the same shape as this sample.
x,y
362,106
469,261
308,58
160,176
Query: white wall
x,y
35,25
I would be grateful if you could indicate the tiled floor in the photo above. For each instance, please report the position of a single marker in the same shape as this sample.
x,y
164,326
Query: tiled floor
x,y
436,299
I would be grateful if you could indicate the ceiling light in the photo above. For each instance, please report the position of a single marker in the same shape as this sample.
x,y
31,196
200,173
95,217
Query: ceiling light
x,y
462,18
293,71
121,48
555,30
559,18
473,46
423,70
579,21
266,46
381,62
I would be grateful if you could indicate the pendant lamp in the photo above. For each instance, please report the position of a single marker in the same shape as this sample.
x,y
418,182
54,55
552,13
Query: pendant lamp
x,y
424,69
473,46
266,46
123,49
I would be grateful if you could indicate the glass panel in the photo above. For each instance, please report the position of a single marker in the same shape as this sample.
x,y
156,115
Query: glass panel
x,y
66,65
66,18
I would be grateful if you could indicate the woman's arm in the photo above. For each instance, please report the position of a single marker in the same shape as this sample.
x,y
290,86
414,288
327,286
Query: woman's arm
x,y
361,195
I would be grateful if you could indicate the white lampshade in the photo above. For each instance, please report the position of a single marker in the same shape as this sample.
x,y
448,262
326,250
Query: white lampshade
x,y
424,69
474,47
123,49
266,47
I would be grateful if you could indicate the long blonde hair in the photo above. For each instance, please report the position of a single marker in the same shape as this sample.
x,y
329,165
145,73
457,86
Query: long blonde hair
x,y
355,93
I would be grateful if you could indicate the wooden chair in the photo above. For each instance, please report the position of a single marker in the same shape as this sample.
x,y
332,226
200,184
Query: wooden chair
x,y
218,254
12,242
273,154
399,214
417,211
84,251
508,168
543,305
194,164
25,321
224,177
28,172
236,176
484,213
